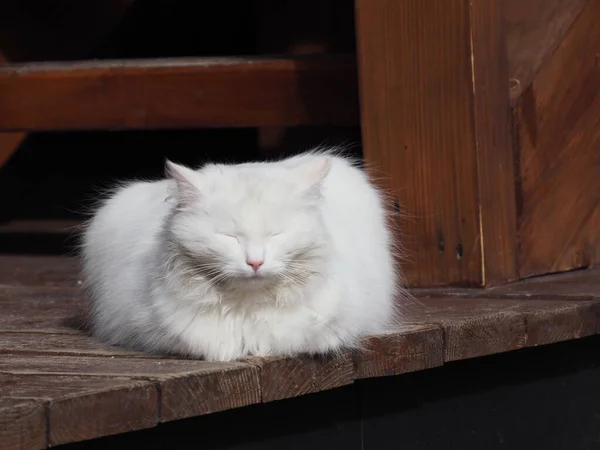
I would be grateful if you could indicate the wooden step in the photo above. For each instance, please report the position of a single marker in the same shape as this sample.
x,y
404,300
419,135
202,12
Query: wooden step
x,y
179,93
53,375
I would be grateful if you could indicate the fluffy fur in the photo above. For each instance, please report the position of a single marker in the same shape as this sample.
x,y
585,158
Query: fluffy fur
x,y
166,261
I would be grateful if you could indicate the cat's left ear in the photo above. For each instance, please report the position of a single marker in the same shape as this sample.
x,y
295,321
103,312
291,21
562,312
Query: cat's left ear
x,y
313,172
187,180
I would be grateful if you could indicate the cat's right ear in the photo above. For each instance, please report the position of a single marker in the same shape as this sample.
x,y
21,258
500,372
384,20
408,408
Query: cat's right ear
x,y
187,180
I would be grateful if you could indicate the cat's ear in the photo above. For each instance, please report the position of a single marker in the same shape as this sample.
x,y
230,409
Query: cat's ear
x,y
187,180
312,173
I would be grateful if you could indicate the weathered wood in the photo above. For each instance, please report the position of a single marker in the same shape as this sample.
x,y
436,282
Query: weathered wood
x,y
177,93
188,388
562,322
282,378
435,119
54,310
558,120
578,284
497,213
71,374
476,327
22,424
71,402
534,29
44,271
410,349
75,344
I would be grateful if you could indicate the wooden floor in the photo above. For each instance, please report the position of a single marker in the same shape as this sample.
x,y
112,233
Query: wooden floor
x,y
58,386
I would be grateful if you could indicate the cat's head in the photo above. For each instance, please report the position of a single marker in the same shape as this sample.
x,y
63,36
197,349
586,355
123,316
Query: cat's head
x,y
255,223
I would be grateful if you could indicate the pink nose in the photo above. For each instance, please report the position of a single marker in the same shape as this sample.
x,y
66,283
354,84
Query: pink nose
x,y
254,264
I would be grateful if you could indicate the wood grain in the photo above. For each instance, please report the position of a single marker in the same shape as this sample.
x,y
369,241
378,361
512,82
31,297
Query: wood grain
x,y
282,378
22,424
558,124
115,405
496,164
75,378
535,28
474,327
410,349
179,93
54,310
578,284
188,388
75,344
561,322
434,108
47,271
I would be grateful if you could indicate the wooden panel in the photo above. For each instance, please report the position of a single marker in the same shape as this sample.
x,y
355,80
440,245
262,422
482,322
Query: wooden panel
x,y
496,165
535,29
558,122
434,108
22,424
178,93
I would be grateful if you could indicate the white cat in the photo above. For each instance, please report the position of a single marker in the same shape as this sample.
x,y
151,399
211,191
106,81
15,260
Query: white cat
x,y
276,258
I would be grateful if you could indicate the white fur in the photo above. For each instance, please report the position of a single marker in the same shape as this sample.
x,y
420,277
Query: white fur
x,y
165,261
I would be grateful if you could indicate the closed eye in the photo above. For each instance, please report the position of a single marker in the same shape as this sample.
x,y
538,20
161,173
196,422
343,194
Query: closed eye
x,y
232,236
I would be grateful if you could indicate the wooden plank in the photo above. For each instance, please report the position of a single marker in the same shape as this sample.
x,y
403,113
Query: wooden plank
x,y
188,388
22,424
578,284
282,378
53,310
558,124
435,122
116,406
498,213
16,270
179,93
476,327
535,28
563,322
412,348
62,344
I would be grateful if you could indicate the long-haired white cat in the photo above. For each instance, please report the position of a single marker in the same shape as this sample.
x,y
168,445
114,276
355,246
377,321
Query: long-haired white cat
x,y
276,258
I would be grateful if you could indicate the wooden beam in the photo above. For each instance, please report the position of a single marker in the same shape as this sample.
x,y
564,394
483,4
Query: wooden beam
x,y
179,93
435,120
